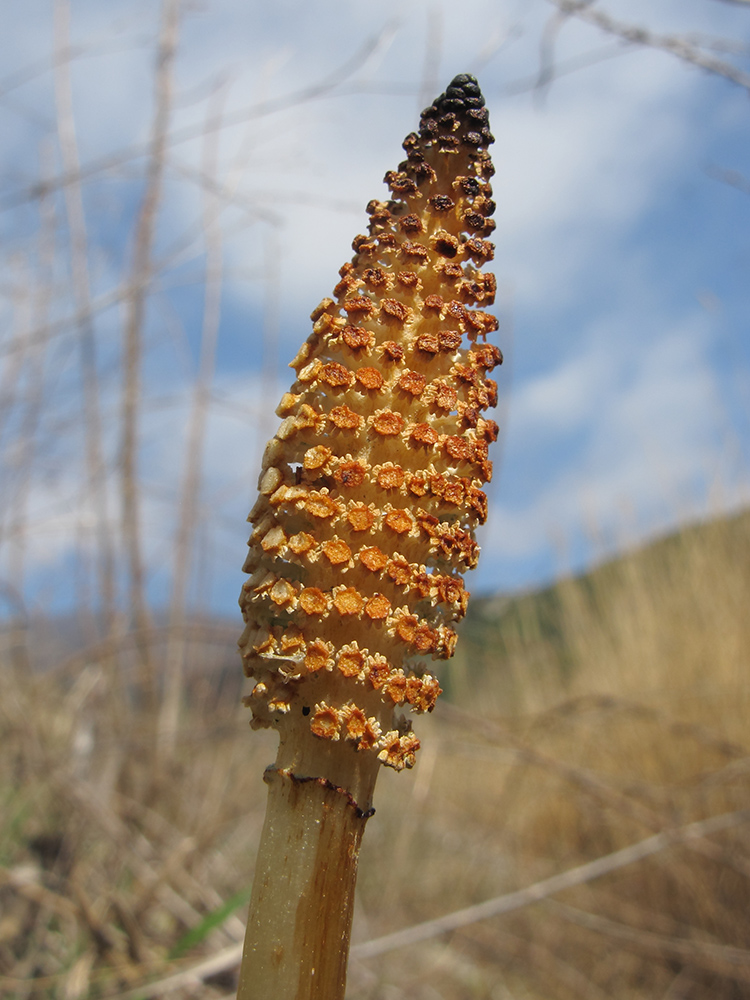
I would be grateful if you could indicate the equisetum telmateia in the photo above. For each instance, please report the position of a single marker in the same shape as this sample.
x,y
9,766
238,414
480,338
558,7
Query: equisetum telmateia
x,y
370,494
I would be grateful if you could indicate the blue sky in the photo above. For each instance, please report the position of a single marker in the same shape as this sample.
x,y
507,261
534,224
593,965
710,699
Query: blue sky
x,y
622,259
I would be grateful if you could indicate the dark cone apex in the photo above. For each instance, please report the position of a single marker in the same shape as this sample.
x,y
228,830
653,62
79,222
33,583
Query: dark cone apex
x,y
458,117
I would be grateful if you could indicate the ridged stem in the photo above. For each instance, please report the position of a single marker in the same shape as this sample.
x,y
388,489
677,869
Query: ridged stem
x,y
298,930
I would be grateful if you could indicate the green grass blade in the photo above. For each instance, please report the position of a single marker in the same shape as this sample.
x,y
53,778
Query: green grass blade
x,y
210,922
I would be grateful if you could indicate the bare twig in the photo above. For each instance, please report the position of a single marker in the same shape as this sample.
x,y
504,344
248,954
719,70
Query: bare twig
x,y
676,45
547,42
550,886
33,404
187,133
227,958
582,778
141,275
536,955
175,662
230,957
82,296
96,48
727,960
591,784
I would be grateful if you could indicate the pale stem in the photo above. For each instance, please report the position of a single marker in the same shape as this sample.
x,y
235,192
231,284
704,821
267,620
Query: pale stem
x,y
298,930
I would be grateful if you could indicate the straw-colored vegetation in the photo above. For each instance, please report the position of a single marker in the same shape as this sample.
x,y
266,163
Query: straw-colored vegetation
x,y
605,714
583,720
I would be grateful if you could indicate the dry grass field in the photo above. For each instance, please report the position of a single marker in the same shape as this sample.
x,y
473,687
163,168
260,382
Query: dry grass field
x,y
606,712
580,808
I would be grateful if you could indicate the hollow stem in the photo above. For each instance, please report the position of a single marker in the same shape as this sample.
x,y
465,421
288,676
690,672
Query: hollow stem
x,y
297,939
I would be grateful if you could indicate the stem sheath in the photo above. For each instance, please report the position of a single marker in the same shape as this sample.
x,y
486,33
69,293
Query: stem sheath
x,y
297,941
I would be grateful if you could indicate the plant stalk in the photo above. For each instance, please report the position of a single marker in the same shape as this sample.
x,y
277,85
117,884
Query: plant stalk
x,y
346,592
298,930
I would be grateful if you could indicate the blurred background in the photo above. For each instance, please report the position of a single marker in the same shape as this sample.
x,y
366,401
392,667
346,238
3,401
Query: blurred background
x,y
179,184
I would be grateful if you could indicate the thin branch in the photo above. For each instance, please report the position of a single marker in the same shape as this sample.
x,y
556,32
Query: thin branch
x,y
82,296
141,275
582,778
550,886
262,109
175,662
721,958
33,405
97,48
591,784
676,45
229,958
536,955
547,43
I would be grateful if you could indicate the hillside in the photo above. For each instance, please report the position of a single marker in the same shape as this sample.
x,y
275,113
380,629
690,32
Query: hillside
x,y
517,647
595,715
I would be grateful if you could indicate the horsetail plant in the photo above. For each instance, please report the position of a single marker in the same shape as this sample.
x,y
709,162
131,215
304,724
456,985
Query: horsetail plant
x,y
370,494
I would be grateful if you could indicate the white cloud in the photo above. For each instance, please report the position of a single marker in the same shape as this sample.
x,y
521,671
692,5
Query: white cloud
x,y
562,399
649,438
611,407
58,520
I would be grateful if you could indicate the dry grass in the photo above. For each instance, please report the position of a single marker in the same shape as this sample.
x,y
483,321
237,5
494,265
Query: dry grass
x,y
112,852
578,722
